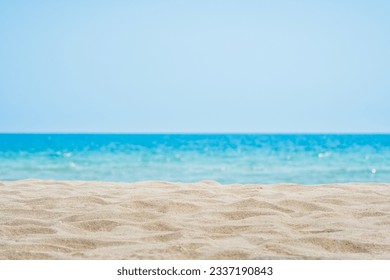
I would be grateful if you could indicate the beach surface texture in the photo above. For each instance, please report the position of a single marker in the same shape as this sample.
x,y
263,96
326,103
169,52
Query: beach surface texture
x,y
205,220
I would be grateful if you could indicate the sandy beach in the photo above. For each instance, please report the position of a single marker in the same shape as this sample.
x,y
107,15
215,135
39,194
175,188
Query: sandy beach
x,y
205,220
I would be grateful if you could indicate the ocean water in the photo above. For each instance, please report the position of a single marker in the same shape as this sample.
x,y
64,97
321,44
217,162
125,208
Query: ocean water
x,y
226,158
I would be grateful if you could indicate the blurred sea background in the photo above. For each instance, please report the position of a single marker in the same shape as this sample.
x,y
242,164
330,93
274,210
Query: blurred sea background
x,y
226,158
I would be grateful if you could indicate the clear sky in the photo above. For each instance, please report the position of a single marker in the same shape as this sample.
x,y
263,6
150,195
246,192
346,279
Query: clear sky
x,y
194,66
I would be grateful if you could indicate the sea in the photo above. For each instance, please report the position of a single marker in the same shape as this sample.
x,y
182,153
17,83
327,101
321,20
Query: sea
x,y
225,158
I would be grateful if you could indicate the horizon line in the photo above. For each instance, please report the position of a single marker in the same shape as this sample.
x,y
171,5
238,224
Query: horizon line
x,y
190,133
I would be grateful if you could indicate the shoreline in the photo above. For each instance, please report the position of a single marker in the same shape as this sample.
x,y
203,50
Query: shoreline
x,y
47,219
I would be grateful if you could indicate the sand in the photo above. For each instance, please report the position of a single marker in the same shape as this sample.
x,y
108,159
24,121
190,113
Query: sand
x,y
206,220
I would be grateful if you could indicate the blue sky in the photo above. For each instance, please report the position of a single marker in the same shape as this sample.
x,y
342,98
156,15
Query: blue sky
x,y
195,66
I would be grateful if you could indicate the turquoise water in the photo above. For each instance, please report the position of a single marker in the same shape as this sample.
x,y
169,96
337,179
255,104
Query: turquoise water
x,y
227,158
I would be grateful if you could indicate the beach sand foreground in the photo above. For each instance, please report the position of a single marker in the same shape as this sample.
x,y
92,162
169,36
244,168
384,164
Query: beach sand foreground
x,y
161,220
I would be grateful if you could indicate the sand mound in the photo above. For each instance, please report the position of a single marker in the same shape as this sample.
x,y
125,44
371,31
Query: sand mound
x,y
159,220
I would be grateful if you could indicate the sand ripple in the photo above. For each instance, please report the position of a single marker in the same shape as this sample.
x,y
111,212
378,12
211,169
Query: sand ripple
x,y
161,220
